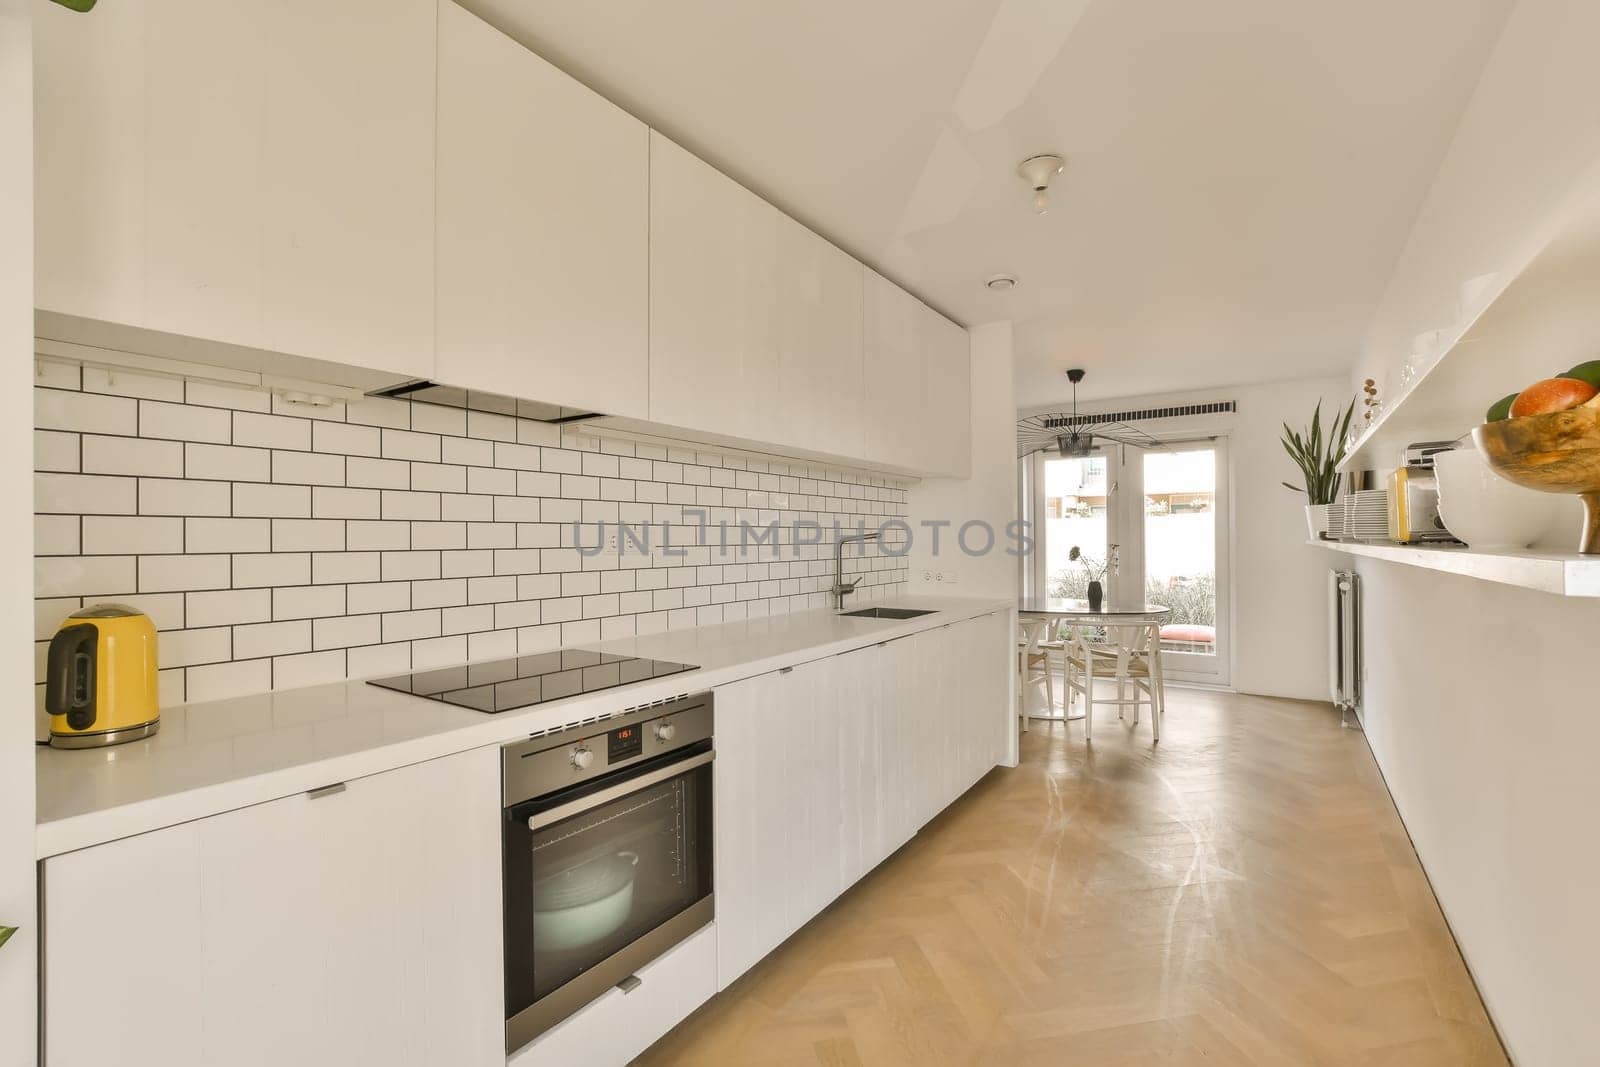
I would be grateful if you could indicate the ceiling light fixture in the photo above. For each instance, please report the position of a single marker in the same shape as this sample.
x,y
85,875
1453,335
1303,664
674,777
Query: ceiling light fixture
x,y
1037,172
1001,283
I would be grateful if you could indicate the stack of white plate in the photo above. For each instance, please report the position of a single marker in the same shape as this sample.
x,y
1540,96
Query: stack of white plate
x,y
1336,521
1366,515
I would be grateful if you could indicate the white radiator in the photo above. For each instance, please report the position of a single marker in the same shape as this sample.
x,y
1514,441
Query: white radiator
x,y
1344,642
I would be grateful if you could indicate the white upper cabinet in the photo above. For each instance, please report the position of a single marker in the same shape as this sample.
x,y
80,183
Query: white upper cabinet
x,y
347,172
542,228
918,389
755,321
258,173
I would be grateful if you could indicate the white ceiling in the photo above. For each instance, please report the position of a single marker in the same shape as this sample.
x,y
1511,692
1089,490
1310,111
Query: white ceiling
x,y
1241,174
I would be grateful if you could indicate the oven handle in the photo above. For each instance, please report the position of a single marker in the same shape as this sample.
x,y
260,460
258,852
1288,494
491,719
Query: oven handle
x,y
618,791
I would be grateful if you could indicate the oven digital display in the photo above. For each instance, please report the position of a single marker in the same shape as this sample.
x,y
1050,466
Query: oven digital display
x,y
624,743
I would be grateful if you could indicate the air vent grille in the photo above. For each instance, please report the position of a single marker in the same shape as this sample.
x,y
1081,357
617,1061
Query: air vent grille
x,y
1219,407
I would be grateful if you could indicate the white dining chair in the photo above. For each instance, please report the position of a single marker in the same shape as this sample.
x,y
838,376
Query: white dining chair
x,y
1032,661
1131,657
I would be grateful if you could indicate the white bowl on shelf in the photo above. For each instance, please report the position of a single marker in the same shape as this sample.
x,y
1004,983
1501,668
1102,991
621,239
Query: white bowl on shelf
x,y
1483,509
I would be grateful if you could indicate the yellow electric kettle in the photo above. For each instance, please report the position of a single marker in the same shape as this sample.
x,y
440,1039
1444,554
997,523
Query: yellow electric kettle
x,y
101,683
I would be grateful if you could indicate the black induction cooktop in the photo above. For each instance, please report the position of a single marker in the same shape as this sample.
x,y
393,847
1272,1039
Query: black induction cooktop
x,y
507,684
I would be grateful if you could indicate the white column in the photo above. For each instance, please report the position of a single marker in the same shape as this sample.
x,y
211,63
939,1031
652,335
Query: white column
x,y
18,906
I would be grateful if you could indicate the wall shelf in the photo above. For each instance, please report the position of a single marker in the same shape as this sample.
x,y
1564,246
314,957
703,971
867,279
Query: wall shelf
x,y
1539,319
1563,574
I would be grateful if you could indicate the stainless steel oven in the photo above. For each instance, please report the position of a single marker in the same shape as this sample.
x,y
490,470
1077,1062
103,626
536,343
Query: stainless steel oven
x,y
607,855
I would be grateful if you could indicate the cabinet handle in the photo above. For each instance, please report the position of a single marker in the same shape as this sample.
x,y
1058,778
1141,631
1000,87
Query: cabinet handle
x,y
630,983
325,791
785,670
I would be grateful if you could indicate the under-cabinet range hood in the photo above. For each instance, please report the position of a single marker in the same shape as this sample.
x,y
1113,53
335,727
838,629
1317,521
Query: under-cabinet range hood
x,y
451,396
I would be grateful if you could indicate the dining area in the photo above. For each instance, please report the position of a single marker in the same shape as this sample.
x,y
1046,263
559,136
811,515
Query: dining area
x,y
1074,655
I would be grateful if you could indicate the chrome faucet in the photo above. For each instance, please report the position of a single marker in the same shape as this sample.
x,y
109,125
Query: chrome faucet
x,y
840,590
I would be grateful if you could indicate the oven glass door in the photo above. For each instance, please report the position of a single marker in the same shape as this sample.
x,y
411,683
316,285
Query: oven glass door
x,y
582,889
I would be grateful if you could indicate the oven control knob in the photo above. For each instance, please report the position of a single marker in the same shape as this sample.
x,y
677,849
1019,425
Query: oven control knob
x,y
666,731
581,758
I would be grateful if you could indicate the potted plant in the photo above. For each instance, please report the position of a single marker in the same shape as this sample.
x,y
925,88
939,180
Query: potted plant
x,y
1318,458
1096,571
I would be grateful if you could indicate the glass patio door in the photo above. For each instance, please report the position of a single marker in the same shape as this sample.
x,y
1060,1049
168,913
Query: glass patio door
x,y
1156,521
1181,554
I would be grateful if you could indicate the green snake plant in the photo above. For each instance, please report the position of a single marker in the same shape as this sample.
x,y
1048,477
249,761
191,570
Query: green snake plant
x,y
77,5
1318,457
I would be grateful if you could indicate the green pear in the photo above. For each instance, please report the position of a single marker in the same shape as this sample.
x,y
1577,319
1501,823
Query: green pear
x,y
1501,409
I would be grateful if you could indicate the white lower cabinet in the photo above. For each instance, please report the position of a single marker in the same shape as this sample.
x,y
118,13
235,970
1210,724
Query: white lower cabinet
x,y
618,1026
357,927
826,769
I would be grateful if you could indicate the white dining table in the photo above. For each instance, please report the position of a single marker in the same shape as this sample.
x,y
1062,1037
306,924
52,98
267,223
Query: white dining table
x,y
1077,611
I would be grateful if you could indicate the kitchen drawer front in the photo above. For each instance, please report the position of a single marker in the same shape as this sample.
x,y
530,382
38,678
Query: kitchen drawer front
x,y
619,1026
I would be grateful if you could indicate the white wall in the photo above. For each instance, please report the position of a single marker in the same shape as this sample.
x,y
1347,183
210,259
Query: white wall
x,y
18,982
990,495
1477,701
1280,630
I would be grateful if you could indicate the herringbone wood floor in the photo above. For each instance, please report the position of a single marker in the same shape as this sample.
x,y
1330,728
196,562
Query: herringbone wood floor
x,y
1242,894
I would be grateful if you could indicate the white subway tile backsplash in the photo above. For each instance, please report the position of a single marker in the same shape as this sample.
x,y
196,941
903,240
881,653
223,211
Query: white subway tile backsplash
x,y
224,607
271,569
55,409
182,422
438,652
400,504
438,478
177,496
489,427
219,681
307,535
347,630
57,535
376,660
328,502
112,535
377,536
271,431
466,507
272,639
307,468
332,568
308,602
55,451
406,444
435,418
84,494
467,452
164,574
217,395
186,648
343,439
226,535
227,463
377,473
300,544
369,597
410,566
379,411
312,668
411,625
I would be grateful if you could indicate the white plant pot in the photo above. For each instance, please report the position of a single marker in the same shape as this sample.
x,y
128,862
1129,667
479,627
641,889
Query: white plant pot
x,y
1317,520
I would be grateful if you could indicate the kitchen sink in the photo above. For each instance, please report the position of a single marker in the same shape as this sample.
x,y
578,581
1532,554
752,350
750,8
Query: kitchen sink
x,y
885,613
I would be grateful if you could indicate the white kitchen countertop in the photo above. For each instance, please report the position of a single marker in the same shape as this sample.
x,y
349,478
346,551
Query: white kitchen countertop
x,y
220,755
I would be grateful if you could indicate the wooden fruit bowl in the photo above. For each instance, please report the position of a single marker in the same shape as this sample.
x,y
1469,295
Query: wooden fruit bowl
x,y
1555,453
